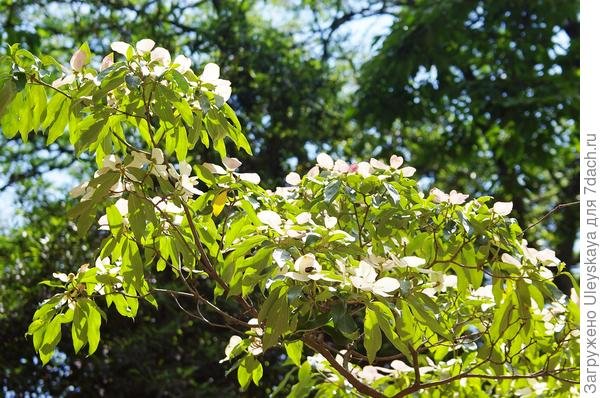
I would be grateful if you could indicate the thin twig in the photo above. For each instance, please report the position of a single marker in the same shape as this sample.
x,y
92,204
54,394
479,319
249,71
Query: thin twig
x,y
556,208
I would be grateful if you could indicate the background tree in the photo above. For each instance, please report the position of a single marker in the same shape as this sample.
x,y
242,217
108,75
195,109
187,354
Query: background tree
x,y
484,95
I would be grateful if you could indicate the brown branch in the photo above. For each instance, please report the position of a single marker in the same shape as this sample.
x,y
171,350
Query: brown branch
x,y
360,387
556,208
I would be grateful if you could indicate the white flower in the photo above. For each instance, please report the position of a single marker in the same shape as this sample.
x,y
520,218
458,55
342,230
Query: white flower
x,y
303,218
507,258
167,206
111,162
214,168
223,90
120,47
400,367
340,166
396,161
182,63
313,172
484,293
407,171
502,208
234,341
293,179
107,61
364,169
270,218
411,261
185,181
63,81
325,161
139,160
370,373
101,264
537,389
408,261
82,189
307,267
158,168
574,296
377,164
317,362
210,75
454,198
144,46
438,195
547,257
231,164
365,278
161,56
61,276
79,60
330,222
281,257
249,177
441,282
457,198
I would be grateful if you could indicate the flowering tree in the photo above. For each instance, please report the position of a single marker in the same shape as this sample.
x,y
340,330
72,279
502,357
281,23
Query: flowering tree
x,y
369,286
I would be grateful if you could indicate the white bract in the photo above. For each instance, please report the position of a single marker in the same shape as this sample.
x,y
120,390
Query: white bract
x,y
325,161
454,198
440,283
222,88
306,268
408,261
293,179
502,208
144,46
79,60
187,183
484,293
365,278
396,161
507,258
234,341
232,164
270,218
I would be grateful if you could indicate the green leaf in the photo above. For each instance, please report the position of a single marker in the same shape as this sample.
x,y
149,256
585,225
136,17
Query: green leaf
x,y
331,190
276,323
249,369
93,330
501,318
392,192
7,93
372,337
57,119
133,82
181,147
305,382
387,323
51,338
136,216
294,351
79,327
424,315
180,80
89,136
343,320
